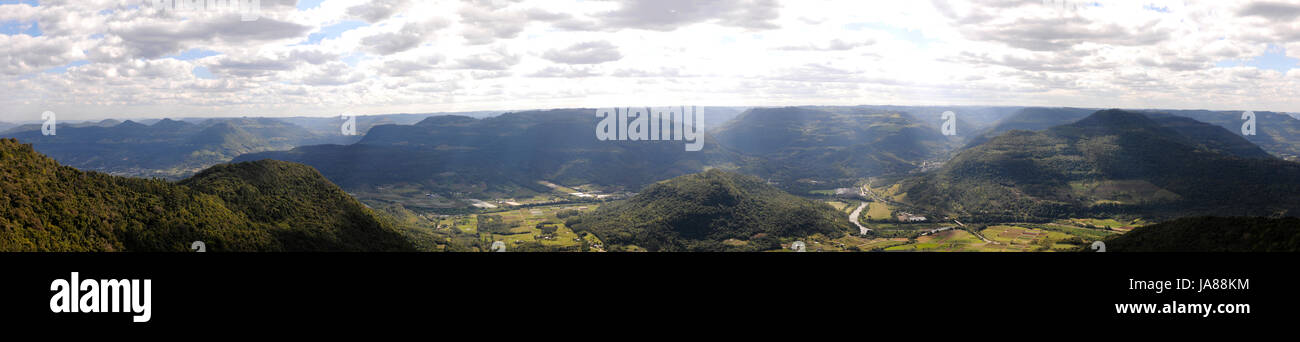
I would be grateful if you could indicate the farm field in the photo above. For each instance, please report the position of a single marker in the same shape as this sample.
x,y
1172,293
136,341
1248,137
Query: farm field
x,y
1005,238
539,229
839,205
878,211
535,228
1105,223
946,241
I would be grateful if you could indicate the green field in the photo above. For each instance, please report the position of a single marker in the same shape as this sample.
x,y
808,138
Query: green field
x,y
946,241
1105,223
878,211
526,229
1023,239
1005,238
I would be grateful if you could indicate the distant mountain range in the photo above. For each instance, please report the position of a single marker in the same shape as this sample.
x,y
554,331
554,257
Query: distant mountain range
x,y
168,148
826,147
834,145
711,211
502,154
1111,162
262,206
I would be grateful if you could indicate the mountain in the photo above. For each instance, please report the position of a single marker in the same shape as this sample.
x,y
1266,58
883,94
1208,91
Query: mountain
x,y
167,148
969,118
1211,137
1031,119
839,144
1212,234
264,206
502,154
711,211
1277,133
307,211
330,126
1112,162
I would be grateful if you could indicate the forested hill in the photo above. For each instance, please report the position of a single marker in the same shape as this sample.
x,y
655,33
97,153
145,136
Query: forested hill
x,y
1213,234
1112,162
260,206
711,211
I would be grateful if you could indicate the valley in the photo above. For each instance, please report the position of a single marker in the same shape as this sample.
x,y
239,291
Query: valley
x,y
862,178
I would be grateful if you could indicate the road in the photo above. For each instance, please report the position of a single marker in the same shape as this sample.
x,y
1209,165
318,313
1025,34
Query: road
x,y
854,218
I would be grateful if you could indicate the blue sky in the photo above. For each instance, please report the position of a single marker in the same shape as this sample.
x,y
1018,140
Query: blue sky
x,y
15,27
334,31
308,4
1274,58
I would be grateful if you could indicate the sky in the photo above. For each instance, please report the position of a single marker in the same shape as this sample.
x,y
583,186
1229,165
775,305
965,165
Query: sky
x,y
96,59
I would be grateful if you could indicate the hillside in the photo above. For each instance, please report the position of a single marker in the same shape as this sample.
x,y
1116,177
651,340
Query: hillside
x,y
1110,163
306,210
265,206
701,212
834,144
1030,119
1212,234
1277,133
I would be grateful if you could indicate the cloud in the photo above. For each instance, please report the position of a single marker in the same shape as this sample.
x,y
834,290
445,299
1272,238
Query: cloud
x,y
668,15
378,10
26,54
252,67
1057,34
1275,11
106,56
498,59
596,52
153,39
410,67
832,45
486,24
410,36
564,72
333,74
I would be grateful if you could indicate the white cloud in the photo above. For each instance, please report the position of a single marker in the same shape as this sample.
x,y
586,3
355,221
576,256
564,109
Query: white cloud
x,y
426,56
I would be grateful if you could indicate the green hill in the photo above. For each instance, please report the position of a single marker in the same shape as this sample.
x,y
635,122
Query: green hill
x,y
1212,234
1277,133
1110,163
701,212
262,206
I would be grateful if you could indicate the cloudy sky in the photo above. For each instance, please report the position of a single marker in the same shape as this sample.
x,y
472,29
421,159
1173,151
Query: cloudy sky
x,y
92,59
